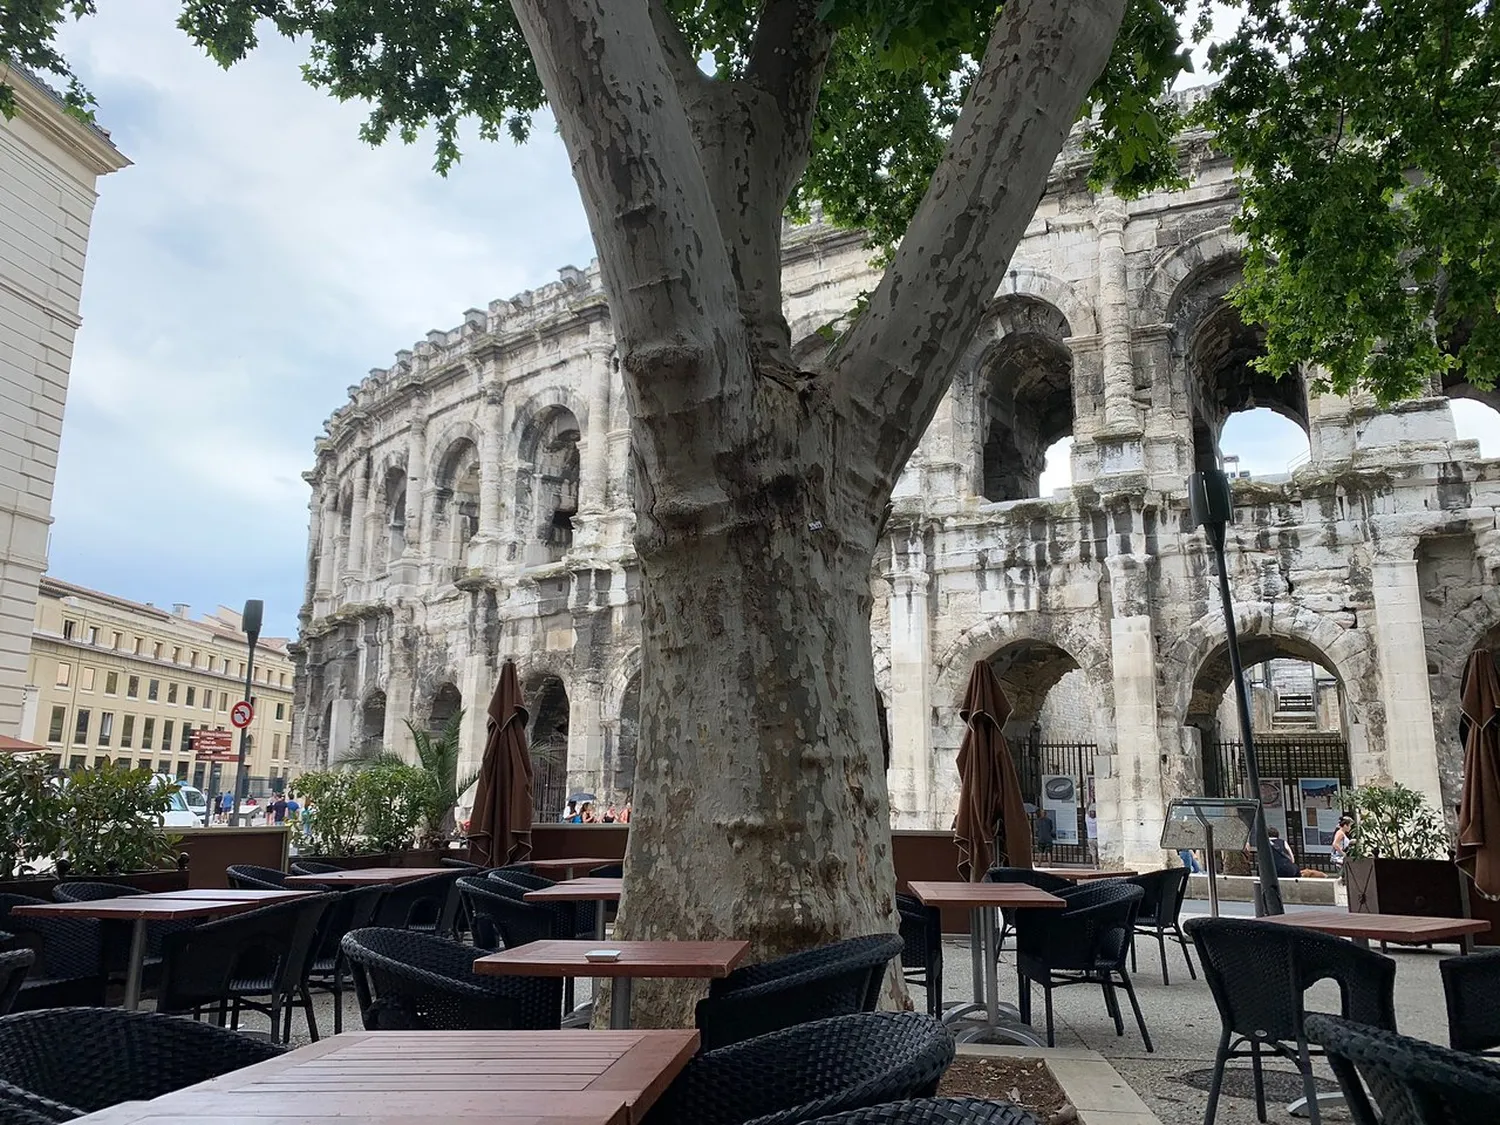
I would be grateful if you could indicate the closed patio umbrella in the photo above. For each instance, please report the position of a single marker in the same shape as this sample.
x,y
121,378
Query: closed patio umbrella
x,y
991,826
1479,807
500,825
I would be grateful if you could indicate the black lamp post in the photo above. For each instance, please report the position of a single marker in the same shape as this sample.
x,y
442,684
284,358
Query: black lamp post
x,y
250,621
1212,508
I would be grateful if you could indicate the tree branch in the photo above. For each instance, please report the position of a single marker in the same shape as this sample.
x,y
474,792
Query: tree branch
x,y
893,367
788,57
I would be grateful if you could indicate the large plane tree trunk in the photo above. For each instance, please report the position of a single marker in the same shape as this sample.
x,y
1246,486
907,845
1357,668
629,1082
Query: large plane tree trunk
x,y
760,806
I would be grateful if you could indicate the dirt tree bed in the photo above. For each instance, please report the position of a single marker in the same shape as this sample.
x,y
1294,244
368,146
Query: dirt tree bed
x,y
1026,1082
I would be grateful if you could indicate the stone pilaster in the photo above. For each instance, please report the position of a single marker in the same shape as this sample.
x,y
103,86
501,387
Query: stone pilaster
x,y
1134,787
1114,320
586,735
1401,650
909,710
354,568
416,477
491,457
329,505
593,478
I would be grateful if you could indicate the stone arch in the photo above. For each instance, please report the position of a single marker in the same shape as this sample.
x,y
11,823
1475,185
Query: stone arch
x,y
548,708
1168,275
547,480
1473,625
455,506
1025,281
620,719
390,541
1001,632
447,701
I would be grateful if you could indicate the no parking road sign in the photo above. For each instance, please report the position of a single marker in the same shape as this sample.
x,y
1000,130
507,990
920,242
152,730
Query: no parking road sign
x,y
241,714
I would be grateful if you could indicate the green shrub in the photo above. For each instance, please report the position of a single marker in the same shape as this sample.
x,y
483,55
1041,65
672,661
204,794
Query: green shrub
x,y
331,815
110,821
394,800
1394,822
31,812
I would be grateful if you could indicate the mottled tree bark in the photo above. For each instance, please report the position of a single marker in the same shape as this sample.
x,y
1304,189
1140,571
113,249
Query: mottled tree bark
x,y
760,806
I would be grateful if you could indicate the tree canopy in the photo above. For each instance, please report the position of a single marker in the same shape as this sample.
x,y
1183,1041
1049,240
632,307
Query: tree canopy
x,y
1365,136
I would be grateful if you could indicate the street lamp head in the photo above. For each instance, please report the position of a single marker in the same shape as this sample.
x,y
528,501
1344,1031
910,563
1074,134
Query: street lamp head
x,y
1209,500
250,619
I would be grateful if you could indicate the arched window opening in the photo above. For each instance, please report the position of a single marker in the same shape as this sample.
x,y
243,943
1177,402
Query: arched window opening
x,y
1057,467
547,485
1262,444
447,701
455,515
372,722
1476,419
1026,404
392,542
547,737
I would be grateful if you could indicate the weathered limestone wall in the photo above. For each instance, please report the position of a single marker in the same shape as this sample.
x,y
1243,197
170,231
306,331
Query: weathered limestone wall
x,y
472,503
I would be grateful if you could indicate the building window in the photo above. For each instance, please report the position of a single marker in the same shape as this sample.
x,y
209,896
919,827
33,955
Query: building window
x,y
156,651
153,687
111,683
171,692
81,727
76,761
208,699
106,727
187,737
182,768
148,731
132,687
166,735
127,732
280,711
192,697
69,628
93,634
121,763
136,646
242,669
176,654
276,746
119,640
55,727
198,771
85,679
143,764
193,659
223,701
64,674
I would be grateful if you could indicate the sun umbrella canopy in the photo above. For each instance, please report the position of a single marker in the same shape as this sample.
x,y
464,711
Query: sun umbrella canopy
x,y
991,826
1479,808
500,826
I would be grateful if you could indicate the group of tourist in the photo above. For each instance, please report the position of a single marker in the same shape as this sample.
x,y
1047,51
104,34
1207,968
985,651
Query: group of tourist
x,y
584,813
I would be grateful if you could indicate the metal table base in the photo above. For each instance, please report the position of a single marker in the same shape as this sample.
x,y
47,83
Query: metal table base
x,y
998,1023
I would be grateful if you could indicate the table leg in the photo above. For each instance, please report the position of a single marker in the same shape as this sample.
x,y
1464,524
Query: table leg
x,y
135,965
976,950
991,969
619,1004
599,908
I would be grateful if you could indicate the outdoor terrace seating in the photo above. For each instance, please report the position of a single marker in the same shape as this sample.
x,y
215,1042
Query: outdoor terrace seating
x,y
922,949
1471,988
934,1111
327,968
69,965
811,1070
249,877
1159,912
14,965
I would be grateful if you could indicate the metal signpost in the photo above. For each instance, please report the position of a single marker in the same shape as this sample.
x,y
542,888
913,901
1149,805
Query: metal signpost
x,y
1212,824
1212,508
244,711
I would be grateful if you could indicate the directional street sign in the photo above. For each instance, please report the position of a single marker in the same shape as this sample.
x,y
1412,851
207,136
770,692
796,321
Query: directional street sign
x,y
214,746
241,714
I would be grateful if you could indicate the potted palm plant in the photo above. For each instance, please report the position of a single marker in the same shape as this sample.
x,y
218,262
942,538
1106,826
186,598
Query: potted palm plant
x,y
1400,858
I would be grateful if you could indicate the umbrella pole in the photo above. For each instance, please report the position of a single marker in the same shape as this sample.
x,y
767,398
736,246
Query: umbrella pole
x,y
1209,495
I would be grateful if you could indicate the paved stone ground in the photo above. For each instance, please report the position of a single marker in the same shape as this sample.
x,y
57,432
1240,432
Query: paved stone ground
x,y
1184,1026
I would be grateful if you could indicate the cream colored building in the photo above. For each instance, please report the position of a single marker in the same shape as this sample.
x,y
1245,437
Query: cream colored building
x,y
49,163
117,679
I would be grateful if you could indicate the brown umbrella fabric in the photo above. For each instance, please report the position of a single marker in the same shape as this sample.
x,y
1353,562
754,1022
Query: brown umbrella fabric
x,y
991,827
1479,808
500,827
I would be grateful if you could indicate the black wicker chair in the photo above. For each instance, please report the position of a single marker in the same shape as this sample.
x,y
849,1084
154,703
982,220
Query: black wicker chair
x,y
1084,943
20,1107
499,919
409,981
88,1059
934,1111
577,917
255,961
832,980
1409,1081
1258,973
86,891
327,970
922,948
1041,880
421,904
1471,986
608,871
461,864
1159,913
312,867
69,966
808,1071
14,965
249,877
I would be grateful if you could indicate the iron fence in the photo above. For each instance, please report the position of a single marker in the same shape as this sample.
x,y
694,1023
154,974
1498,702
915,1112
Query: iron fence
x,y
1043,766
1300,813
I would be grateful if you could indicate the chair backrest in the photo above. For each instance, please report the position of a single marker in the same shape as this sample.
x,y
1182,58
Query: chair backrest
x,y
84,891
1042,880
1092,930
461,864
933,1111
518,878
841,978
65,948
14,965
1164,892
800,1073
608,871
1411,1082
421,902
351,909
1471,986
501,919
274,942
249,877
312,867
921,928
93,1058
1258,972
420,982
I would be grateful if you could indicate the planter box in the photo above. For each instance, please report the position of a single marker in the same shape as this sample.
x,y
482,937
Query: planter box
x,y
211,850
149,881
1405,886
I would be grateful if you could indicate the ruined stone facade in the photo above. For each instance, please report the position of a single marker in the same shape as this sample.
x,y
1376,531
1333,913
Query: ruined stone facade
x,y
472,503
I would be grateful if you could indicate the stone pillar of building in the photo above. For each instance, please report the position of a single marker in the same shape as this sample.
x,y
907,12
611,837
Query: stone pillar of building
x,y
593,477
1131,831
354,569
416,477
491,452
329,520
376,518
909,709
1120,415
1401,649
586,734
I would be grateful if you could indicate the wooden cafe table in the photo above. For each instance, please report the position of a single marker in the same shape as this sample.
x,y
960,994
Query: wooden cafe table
x,y
982,900
1086,874
568,866
435,1078
1400,929
702,960
598,891
168,906
367,877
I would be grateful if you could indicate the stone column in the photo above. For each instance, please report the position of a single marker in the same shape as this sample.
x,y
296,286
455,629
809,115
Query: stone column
x,y
1401,647
909,709
586,735
491,433
1114,319
592,479
354,570
329,529
1136,781
416,476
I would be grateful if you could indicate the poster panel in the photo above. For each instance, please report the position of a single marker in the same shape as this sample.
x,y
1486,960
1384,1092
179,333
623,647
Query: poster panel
x,y
1322,802
1060,798
1273,801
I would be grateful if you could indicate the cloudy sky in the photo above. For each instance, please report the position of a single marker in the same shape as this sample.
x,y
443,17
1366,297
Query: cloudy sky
x,y
255,261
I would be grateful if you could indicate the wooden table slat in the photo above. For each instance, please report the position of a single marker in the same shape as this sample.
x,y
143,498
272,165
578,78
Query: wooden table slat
x,y
367,876
568,862
683,959
579,890
1087,874
1399,928
163,907
972,895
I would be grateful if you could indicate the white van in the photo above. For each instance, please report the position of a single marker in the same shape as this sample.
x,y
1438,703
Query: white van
x,y
178,814
196,800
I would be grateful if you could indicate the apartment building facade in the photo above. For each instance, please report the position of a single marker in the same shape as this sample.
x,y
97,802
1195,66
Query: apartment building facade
x,y
116,679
